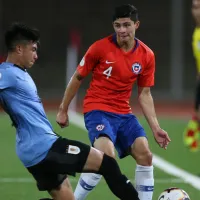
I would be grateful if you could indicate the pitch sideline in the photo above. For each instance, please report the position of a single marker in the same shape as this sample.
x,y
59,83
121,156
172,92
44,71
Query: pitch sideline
x,y
75,180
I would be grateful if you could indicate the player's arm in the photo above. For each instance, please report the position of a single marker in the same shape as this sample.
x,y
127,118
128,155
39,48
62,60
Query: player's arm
x,y
145,81
145,100
70,91
86,65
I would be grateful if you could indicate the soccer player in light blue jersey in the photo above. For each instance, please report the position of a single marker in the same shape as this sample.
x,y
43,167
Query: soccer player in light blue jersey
x,y
47,156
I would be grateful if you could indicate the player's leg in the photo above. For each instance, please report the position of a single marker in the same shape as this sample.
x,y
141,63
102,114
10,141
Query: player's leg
x,y
57,185
88,181
131,137
100,132
191,132
197,99
108,167
144,169
68,156
63,191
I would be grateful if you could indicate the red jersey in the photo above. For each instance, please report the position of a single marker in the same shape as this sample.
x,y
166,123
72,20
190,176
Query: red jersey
x,y
114,73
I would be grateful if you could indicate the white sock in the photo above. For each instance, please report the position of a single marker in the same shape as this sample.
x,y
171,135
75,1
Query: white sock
x,y
144,182
85,184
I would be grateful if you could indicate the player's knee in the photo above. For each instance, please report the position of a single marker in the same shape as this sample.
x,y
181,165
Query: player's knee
x,y
105,145
107,150
145,159
110,153
62,191
108,165
54,191
149,158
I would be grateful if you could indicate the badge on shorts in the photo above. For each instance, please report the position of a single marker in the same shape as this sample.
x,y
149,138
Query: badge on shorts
x,y
100,127
136,67
73,149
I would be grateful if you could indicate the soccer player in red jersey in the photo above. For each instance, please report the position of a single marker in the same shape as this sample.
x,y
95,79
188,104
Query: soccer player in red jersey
x,y
116,63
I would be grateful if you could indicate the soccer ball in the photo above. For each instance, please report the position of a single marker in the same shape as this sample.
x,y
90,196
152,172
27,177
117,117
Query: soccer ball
x,y
174,194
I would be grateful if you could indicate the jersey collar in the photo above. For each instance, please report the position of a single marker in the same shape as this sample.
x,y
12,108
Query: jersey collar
x,y
114,39
19,67
14,65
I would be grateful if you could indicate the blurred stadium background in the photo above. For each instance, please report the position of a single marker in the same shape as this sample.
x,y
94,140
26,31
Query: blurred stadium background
x,y
166,27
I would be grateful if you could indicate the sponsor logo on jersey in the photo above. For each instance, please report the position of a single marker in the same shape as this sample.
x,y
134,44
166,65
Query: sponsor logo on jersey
x,y
109,62
100,127
82,62
136,67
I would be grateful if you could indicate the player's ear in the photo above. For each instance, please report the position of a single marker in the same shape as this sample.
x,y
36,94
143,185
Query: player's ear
x,y
137,24
113,25
18,49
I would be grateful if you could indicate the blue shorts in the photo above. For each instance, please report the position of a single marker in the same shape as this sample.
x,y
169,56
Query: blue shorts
x,y
122,129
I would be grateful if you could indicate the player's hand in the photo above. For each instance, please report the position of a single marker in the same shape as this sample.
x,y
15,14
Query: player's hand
x,y
62,119
162,138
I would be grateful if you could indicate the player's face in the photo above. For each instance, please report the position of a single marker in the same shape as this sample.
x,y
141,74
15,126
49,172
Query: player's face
x,y
196,10
125,29
28,54
196,4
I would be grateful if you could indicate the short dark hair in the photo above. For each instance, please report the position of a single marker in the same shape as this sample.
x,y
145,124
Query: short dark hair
x,y
19,33
126,11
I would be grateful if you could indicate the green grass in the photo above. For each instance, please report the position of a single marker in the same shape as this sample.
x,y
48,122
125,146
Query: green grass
x,y
176,153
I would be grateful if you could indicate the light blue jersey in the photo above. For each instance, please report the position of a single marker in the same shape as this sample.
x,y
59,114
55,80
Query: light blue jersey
x,y
19,98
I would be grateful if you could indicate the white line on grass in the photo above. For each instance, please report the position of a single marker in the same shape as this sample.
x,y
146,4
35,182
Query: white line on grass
x,y
75,180
159,162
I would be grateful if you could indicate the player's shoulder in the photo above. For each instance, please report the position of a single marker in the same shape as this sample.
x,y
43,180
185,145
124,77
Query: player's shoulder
x,y
196,33
7,70
101,43
144,48
196,30
7,67
8,76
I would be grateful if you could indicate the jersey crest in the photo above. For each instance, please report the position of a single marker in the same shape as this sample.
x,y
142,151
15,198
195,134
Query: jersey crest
x,y
136,67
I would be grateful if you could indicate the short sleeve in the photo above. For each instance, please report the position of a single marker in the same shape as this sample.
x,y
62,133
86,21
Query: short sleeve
x,y
89,61
146,78
7,79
